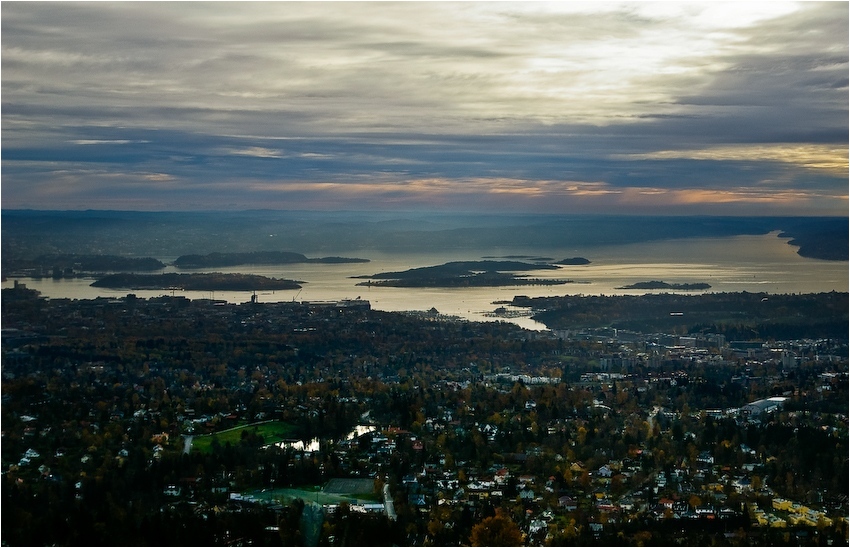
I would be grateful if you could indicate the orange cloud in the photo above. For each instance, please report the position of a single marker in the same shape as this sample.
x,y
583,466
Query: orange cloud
x,y
546,195
829,158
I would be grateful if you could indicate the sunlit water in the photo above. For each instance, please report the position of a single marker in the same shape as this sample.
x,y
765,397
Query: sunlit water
x,y
315,443
763,263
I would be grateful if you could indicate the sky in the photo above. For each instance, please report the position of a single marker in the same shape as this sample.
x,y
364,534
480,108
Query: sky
x,y
676,108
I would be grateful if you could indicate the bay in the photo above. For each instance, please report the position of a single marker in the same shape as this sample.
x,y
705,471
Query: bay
x,y
762,263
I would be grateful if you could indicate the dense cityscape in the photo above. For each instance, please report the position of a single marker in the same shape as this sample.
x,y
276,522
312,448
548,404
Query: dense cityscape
x,y
169,421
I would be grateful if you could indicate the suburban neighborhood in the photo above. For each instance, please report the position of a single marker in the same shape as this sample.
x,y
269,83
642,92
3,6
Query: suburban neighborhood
x,y
334,424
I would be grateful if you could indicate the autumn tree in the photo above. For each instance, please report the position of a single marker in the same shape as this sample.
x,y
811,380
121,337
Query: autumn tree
x,y
498,530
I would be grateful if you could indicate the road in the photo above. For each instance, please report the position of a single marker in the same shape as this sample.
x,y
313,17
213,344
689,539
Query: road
x,y
389,505
312,518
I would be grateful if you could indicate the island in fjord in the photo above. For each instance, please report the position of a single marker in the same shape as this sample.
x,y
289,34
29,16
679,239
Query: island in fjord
x,y
196,282
564,262
463,274
655,284
573,261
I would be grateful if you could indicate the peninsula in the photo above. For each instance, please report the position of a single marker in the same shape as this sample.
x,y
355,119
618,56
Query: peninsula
x,y
196,282
72,265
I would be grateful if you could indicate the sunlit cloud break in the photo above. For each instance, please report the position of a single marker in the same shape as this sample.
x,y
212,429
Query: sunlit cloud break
x,y
830,158
257,152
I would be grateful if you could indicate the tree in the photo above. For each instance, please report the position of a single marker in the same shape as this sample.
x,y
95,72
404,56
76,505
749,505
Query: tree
x,y
498,530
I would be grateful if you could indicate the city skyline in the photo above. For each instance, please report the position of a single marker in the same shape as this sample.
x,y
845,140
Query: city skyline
x,y
636,107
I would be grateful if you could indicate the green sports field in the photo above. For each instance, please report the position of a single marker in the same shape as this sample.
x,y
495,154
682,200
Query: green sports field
x,y
336,491
271,431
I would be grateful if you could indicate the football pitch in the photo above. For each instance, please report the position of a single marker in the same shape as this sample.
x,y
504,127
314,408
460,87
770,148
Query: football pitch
x,y
336,491
350,486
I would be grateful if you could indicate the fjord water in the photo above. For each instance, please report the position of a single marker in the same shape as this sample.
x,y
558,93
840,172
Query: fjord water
x,y
764,263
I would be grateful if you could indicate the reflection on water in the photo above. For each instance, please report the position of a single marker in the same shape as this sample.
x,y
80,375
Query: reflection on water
x,y
313,444
742,263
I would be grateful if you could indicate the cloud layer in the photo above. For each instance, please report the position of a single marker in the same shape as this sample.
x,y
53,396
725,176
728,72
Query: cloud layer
x,y
565,107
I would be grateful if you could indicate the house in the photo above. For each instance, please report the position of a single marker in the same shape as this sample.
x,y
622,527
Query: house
x,y
526,479
568,503
627,504
727,513
801,519
479,489
781,504
705,511
742,484
430,469
774,521
501,476
798,508
605,505
705,457
536,526
417,500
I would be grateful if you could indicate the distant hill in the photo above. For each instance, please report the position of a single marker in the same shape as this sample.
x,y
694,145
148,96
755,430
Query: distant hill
x,y
830,245
27,234
214,260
